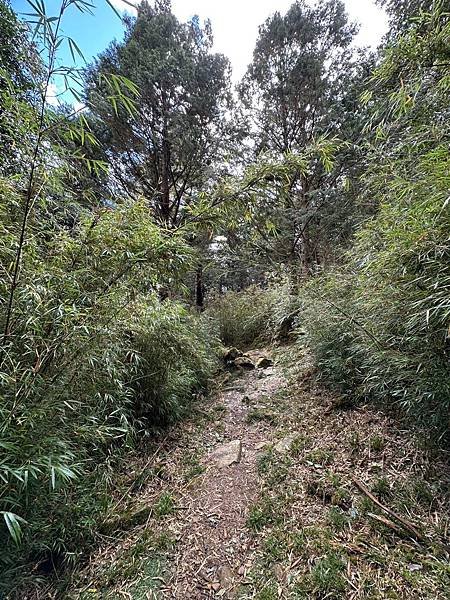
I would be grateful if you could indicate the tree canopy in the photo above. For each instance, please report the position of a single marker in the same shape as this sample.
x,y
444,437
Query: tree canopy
x,y
165,151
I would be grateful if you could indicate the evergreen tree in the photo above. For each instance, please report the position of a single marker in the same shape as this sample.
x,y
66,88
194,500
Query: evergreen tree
x,y
165,151
297,89
299,68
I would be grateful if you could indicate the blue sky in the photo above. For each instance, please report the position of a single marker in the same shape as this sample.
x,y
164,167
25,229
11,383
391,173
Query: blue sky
x,y
92,33
234,22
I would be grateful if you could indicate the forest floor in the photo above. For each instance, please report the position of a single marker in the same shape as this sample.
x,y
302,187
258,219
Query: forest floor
x,y
321,500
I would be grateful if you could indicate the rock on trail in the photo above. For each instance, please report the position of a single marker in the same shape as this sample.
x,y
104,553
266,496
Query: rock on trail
x,y
227,454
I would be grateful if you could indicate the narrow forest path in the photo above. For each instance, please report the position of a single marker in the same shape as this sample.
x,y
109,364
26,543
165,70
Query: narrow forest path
x,y
215,545
276,488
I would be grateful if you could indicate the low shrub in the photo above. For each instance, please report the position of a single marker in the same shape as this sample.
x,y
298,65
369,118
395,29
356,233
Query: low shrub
x,y
255,315
242,317
176,353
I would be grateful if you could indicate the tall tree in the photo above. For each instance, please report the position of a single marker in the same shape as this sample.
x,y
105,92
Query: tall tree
x,y
164,153
294,90
299,67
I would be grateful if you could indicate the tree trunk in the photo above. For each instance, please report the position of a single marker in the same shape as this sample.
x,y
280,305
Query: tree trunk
x,y
199,289
165,170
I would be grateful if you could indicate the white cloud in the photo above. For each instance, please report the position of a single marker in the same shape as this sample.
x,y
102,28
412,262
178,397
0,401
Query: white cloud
x,y
51,97
79,106
235,22
372,19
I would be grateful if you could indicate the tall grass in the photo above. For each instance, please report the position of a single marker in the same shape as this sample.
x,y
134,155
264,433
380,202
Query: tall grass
x,y
255,315
93,359
380,325
91,356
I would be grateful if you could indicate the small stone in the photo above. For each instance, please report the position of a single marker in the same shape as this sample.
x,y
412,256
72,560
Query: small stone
x,y
241,571
285,444
264,362
260,445
278,571
414,567
230,354
227,454
244,362
215,586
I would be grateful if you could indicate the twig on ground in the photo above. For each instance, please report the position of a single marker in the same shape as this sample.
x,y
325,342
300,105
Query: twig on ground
x,y
412,529
386,521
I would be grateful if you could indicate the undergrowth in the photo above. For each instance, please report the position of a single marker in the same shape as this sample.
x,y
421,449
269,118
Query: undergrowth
x,y
254,316
379,327
315,535
95,361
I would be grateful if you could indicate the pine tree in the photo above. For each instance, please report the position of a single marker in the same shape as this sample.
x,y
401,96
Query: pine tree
x,y
165,151
300,86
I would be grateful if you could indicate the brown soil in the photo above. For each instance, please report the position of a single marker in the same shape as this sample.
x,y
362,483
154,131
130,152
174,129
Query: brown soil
x,y
313,510
214,549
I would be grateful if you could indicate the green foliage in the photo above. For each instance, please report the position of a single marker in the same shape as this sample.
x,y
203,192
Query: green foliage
x,y
98,346
93,357
243,318
379,326
301,86
179,124
165,505
263,514
337,519
379,329
256,315
91,353
326,575
264,213
20,76
300,65
177,353
402,11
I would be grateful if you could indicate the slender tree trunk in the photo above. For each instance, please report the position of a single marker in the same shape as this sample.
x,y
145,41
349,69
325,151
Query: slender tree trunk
x,y
165,171
29,190
306,249
199,289
165,187
307,254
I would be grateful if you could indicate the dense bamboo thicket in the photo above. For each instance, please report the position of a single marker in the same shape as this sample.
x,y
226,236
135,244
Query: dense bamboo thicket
x,y
153,214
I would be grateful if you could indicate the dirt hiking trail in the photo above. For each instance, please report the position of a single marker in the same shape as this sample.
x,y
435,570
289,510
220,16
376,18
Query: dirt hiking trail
x,y
276,488
215,547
